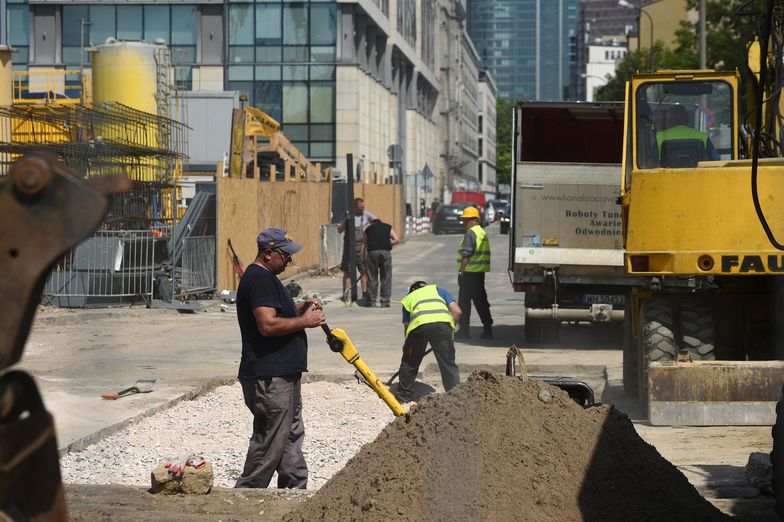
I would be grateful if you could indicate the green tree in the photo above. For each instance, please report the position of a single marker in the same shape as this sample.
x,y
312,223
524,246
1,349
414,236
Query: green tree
x,y
503,138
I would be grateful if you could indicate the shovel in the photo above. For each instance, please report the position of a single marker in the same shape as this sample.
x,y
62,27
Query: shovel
x,y
141,386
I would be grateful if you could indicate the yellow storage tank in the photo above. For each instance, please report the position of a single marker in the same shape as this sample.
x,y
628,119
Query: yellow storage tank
x,y
125,72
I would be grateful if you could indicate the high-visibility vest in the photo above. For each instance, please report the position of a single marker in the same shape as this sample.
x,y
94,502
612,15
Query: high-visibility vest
x,y
425,306
480,259
680,132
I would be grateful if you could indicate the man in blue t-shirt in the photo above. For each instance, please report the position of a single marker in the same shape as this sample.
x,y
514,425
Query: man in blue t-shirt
x,y
274,355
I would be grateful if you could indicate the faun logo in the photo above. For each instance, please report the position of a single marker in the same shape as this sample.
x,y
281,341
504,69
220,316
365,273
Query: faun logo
x,y
752,264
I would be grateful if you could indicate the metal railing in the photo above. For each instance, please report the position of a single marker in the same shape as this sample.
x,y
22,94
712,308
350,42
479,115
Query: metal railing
x,y
331,251
196,271
108,269
51,86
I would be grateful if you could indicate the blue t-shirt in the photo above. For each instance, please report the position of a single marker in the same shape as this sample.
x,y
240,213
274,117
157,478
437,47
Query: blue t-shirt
x,y
446,296
267,356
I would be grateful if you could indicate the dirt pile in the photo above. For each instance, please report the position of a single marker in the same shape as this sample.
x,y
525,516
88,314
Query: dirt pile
x,y
499,448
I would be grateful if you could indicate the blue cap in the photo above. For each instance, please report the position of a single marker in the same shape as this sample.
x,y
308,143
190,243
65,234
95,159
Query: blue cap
x,y
277,238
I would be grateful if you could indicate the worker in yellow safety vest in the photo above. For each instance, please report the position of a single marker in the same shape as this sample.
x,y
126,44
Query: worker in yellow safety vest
x,y
429,315
473,261
679,129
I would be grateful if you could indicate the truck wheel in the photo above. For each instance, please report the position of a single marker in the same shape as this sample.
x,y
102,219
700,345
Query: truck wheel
x,y
630,369
550,330
777,458
697,329
533,331
656,342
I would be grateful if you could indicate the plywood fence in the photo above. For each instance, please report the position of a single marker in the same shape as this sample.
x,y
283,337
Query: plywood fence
x,y
247,206
384,202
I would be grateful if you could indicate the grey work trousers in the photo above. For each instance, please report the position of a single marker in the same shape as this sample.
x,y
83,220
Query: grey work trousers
x,y
379,265
439,335
278,431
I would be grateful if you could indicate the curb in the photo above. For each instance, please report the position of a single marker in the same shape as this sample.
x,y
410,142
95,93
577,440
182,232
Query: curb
x,y
80,444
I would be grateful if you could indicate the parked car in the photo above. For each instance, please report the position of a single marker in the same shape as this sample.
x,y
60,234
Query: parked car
x,y
490,213
503,215
447,219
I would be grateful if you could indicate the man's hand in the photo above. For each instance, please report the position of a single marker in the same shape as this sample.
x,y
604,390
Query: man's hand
x,y
314,317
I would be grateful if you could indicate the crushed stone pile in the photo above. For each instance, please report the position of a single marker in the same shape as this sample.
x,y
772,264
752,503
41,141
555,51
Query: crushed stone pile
x,y
500,448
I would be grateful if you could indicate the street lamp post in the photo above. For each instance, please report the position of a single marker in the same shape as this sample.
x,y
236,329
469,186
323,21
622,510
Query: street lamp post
x,y
83,23
640,12
585,76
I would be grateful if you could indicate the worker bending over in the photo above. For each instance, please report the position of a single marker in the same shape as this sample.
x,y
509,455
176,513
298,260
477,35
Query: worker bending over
x,y
429,316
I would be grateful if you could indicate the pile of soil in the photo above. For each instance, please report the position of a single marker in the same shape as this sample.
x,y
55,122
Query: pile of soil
x,y
500,448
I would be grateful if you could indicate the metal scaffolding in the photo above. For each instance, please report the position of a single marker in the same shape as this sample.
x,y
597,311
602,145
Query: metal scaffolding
x,y
109,138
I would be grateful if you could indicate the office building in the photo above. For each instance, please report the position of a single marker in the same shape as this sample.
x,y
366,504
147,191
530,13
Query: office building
x,y
525,44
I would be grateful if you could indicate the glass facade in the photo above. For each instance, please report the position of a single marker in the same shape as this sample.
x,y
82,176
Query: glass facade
x,y
17,20
282,56
527,61
177,25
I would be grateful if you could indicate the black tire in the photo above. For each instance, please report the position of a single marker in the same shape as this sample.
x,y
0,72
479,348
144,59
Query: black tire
x,y
697,332
777,458
657,331
656,342
533,331
630,363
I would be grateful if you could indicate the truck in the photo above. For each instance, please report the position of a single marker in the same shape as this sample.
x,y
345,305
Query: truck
x,y
566,239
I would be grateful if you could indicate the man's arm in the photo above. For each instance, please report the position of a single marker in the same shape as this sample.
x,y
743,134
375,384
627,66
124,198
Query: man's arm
x,y
271,325
454,308
469,244
393,237
405,327
363,246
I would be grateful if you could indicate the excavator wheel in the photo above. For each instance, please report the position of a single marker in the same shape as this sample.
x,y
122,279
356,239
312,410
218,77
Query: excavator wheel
x,y
630,363
657,331
777,458
657,339
697,330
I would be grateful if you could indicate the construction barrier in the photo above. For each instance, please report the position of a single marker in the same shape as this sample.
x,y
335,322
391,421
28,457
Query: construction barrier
x,y
196,271
331,247
417,225
108,269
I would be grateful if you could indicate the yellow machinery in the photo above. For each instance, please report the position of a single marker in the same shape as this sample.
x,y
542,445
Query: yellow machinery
x,y
339,342
701,341
253,159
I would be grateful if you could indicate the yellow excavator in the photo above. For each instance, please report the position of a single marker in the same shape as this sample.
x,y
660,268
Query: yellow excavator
x,y
702,198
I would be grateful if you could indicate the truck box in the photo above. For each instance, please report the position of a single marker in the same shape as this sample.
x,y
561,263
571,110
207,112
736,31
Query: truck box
x,y
567,242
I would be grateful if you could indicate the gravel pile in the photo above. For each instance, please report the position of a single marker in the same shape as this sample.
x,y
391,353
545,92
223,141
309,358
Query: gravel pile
x,y
499,448
339,419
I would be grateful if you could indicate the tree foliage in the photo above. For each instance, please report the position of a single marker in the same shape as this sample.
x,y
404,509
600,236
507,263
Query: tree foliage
x,y
503,138
727,35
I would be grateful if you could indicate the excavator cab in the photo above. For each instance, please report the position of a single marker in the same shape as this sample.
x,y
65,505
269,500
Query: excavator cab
x,y
700,339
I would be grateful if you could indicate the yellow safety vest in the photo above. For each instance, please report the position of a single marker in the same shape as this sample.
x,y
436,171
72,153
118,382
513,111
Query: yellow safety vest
x,y
426,306
680,132
480,260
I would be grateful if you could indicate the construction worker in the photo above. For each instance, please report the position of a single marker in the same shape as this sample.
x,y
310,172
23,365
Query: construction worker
x,y
274,356
362,219
429,316
678,129
473,261
377,246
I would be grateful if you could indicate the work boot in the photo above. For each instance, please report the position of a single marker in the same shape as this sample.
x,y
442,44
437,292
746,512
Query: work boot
x,y
463,333
487,333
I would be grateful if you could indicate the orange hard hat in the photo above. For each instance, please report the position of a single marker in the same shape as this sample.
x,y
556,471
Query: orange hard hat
x,y
470,213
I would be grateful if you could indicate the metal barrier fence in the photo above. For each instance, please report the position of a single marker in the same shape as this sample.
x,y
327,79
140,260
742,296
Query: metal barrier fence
x,y
196,271
331,247
417,225
109,268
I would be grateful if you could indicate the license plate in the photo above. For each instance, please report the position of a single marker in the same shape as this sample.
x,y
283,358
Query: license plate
x,y
615,300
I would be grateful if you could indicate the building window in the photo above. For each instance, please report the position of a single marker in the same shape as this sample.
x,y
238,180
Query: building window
x,y
176,25
480,172
480,124
17,20
282,55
